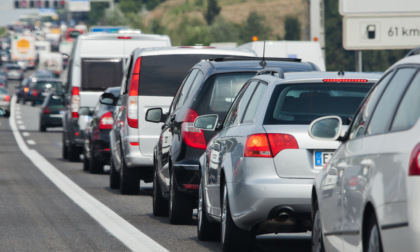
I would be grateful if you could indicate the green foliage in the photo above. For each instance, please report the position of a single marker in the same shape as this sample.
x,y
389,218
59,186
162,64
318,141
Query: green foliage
x,y
255,25
156,27
97,12
151,4
223,31
213,10
130,6
292,28
115,17
190,31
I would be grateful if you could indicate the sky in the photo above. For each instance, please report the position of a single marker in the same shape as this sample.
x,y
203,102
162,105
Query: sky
x,y
8,15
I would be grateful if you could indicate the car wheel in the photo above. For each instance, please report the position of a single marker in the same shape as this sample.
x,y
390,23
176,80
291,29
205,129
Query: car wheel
x,y
374,238
233,238
206,230
7,113
96,166
114,176
317,240
180,206
86,163
72,153
129,180
160,205
64,148
42,127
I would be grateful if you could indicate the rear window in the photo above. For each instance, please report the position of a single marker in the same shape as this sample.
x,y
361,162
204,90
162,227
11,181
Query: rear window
x,y
99,74
161,75
56,100
301,104
49,86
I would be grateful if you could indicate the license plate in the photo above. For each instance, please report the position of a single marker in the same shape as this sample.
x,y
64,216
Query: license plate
x,y
322,157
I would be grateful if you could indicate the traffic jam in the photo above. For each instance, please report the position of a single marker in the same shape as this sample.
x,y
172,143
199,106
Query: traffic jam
x,y
117,140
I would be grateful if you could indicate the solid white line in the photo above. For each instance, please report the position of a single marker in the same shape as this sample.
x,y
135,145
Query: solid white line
x,y
131,237
30,142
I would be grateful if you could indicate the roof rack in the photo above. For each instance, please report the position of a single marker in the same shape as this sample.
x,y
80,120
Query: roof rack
x,y
273,71
236,58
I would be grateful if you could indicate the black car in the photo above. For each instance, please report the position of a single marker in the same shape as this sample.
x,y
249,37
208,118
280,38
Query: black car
x,y
51,114
209,88
96,148
40,88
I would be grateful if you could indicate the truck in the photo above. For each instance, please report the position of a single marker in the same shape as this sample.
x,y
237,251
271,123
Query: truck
x,y
52,61
23,50
309,51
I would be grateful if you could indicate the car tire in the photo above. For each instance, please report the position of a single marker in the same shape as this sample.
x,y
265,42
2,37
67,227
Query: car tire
x,y
129,180
42,126
7,113
180,206
114,176
160,205
96,166
316,238
64,148
206,230
373,242
72,153
233,238
86,163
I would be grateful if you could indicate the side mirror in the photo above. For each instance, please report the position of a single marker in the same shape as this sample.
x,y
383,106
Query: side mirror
x,y
108,99
206,122
85,111
326,128
155,115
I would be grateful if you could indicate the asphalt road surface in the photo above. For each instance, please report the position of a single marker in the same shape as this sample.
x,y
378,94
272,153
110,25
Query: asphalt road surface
x,y
50,204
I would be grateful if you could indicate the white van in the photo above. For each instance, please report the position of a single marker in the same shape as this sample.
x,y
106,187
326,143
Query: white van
x,y
96,63
306,50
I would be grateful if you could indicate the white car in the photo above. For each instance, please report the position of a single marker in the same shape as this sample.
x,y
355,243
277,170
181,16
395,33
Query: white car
x,y
372,203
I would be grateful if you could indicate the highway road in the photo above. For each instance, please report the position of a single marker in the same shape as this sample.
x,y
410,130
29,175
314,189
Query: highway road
x,y
50,204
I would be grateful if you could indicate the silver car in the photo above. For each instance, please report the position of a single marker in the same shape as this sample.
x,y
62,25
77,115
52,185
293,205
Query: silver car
x,y
366,199
257,172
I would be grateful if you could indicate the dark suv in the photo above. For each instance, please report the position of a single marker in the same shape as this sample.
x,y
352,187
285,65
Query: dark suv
x,y
209,88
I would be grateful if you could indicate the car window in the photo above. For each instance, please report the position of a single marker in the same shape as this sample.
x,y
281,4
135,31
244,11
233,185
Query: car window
x,y
384,111
99,74
186,86
409,109
253,103
303,103
232,118
359,122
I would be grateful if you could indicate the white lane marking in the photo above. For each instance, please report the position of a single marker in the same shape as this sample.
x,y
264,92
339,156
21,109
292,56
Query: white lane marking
x,y
18,117
25,134
30,142
22,127
19,121
131,237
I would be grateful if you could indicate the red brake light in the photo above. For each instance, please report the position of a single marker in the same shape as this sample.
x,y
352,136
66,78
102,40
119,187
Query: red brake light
x,y
35,93
124,37
268,145
106,121
74,104
257,146
279,142
346,80
7,98
46,110
132,102
414,169
193,137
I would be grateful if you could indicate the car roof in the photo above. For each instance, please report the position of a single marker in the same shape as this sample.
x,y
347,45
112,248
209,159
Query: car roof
x,y
117,36
192,50
413,59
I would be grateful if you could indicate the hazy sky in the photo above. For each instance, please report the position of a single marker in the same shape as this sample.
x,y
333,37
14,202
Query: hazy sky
x,y
8,15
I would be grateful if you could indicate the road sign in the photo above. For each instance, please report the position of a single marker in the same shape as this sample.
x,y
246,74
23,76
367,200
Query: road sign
x,y
378,7
79,5
378,33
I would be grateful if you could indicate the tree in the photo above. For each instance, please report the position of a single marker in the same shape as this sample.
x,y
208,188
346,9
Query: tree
x,y
130,6
97,13
255,26
292,28
213,9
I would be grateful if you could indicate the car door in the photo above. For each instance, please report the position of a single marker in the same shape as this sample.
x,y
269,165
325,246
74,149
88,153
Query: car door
x,y
373,165
171,127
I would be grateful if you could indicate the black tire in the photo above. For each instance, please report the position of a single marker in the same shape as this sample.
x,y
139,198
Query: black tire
x,y
373,242
7,113
64,148
72,153
233,238
42,127
180,206
129,180
96,166
160,205
86,163
317,239
114,176
206,230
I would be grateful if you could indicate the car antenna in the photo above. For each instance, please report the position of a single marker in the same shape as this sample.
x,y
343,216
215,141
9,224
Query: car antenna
x,y
262,62
341,72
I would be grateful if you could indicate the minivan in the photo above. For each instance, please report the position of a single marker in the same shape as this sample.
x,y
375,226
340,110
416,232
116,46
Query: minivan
x,y
96,63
